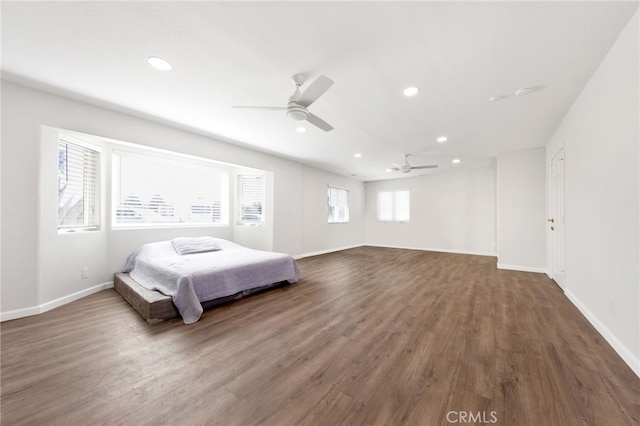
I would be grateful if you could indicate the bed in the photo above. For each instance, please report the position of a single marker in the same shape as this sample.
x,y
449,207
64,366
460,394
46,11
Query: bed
x,y
201,271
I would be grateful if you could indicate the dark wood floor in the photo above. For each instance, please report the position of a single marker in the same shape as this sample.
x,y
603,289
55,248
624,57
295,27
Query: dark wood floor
x,y
368,336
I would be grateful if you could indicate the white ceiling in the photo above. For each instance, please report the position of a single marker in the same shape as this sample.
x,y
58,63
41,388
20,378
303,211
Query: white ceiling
x,y
244,53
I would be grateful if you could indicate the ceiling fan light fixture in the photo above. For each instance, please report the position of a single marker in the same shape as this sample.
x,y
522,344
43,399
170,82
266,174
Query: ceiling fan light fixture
x,y
297,114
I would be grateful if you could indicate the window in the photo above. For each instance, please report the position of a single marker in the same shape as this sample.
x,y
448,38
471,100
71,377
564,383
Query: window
x,y
78,190
393,206
250,200
152,189
338,205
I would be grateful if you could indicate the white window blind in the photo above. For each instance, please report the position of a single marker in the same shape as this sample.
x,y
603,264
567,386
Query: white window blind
x,y
150,190
251,193
78,190
393,206
338,205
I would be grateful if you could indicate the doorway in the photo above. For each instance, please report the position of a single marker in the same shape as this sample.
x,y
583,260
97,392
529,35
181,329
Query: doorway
x,y
556,221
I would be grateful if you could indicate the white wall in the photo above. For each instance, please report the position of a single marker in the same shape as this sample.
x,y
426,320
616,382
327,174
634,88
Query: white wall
x,y
522,210
601,138
453,212
41,269
314,210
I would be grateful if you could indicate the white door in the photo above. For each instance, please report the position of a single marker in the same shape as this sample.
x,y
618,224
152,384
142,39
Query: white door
x,y
556,221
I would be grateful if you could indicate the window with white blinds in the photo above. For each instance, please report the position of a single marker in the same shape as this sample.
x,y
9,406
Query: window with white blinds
x,y
337,205
251,190
393,206
165,190
78,189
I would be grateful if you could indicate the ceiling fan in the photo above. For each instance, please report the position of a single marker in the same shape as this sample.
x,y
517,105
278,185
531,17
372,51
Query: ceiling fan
x,y
406,167
298,102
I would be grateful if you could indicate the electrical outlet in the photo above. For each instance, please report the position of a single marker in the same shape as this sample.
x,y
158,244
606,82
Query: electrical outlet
x,y
85,273
612,305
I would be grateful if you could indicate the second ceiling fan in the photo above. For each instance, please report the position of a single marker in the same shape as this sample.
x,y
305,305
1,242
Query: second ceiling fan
x,y
406,167
296,108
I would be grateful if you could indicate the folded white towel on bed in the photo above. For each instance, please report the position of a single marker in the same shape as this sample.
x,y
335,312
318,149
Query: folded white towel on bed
x,y
184,245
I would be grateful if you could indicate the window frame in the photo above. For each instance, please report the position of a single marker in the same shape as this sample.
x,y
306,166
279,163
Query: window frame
x,y
240,212
133,150
393,207
92,209
346,207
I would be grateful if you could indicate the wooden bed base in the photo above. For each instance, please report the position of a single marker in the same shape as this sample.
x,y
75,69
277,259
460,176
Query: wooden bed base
x,y
155,307
152,305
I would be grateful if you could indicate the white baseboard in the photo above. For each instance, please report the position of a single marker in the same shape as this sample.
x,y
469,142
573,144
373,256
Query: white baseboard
x,y
19,313
624,352
523,268
439,250
317,253
35,310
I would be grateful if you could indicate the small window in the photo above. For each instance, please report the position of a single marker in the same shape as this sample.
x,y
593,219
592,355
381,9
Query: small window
x,y
338,205
150,190
250,200
78,190
393,206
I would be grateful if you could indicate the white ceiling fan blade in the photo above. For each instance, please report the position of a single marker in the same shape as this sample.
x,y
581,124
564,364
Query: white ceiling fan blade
x,y
319,122
260,107
314,91
432,166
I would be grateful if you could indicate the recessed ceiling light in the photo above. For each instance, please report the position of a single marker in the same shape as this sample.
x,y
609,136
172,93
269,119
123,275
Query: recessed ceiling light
x,y
388,170
495,98
301,129
411,91
442,139
455,160
159,63
357,155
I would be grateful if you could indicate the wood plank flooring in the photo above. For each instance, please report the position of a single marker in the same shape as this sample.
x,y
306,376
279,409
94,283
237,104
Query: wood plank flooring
x,y
368,336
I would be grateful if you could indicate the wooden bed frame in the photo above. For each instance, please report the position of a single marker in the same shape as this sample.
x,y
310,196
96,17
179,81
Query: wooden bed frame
x,y
156,307
152,305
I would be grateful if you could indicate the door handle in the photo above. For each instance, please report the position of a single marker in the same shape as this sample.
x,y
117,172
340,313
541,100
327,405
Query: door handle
x,y
552,228
550,220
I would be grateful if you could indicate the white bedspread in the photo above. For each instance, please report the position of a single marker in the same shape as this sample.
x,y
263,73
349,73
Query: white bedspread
x,y
194,278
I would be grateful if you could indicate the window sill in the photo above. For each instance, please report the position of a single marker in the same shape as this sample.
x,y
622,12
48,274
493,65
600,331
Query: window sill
x,y
169,226
72,231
